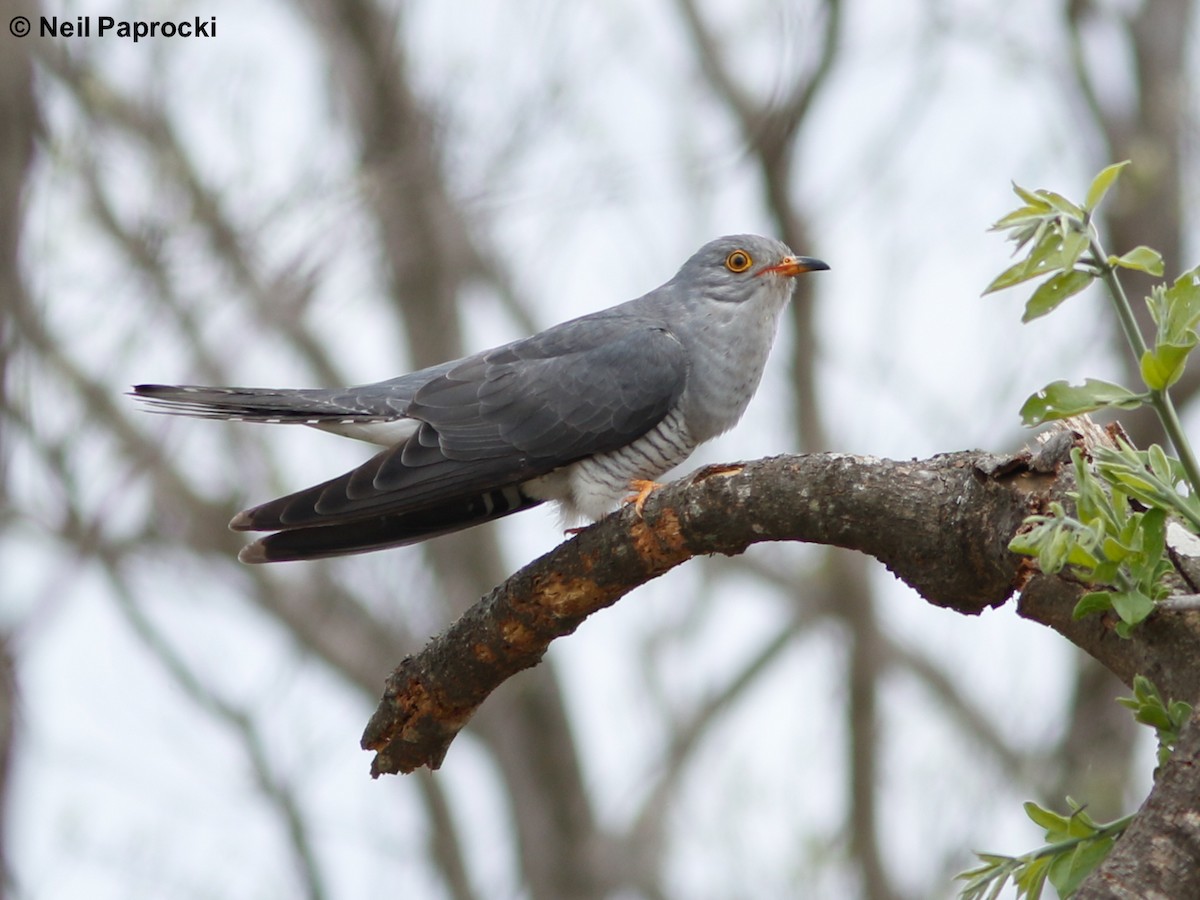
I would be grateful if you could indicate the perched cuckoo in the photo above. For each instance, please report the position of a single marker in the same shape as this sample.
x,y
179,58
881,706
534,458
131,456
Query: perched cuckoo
x,y
577,414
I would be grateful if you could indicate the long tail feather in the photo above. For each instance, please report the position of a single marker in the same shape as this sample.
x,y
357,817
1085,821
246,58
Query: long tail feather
x,y
308,407
379,532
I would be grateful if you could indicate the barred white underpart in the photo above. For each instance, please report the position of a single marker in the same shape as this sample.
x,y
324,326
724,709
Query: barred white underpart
x,y
593,487
502,500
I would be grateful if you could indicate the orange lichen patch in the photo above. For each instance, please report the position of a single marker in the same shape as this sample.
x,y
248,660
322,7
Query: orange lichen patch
x,y
483,652
516,633
416,695
413,700
719,470
378,742
1026,568
588,562
569,596
661,545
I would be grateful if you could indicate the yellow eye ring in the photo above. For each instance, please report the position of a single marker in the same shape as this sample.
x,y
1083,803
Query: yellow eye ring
x,y
738,261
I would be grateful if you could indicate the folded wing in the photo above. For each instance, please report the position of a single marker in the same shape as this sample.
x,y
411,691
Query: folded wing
x,y
497,420
475,430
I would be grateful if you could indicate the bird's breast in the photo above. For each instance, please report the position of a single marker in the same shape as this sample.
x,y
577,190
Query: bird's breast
x,y
728,351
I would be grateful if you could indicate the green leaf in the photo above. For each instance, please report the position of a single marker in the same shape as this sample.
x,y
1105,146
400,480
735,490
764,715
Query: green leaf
x,y
1054,291
1068,870
1031,879
993,859
1054,823
1092,500
1154,716
1080,555
1052,554
1154,539
1132,606
1047,253
1160,463
1149,709
1101,183
1082,825
985,882
1142,258
1140,484
1156,303
1092,602
1163,366
1062,204
1060,400
1026,215
1033,231
1181,304
1146,690
1014,274
1031,198
1114,550
1036,264
1075,241
1179,711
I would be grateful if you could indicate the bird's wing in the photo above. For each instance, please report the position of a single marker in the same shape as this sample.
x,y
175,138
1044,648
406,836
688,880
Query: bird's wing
x,y
501,418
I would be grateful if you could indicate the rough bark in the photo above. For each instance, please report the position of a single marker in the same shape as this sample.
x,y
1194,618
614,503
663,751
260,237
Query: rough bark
x,y
1156,858
948,519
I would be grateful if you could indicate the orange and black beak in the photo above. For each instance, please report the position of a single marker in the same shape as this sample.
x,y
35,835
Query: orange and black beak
x,y
796,265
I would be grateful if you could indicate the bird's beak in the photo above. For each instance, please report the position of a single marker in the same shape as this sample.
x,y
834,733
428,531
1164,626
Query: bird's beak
x,y
796,265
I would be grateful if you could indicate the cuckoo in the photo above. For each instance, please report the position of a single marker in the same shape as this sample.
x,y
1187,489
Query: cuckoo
x,y
580,413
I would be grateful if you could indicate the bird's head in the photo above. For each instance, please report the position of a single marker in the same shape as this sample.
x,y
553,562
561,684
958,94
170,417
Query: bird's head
x,y
740,267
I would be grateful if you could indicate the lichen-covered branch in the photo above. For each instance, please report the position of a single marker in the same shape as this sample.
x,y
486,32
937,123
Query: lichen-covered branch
x,y
942,525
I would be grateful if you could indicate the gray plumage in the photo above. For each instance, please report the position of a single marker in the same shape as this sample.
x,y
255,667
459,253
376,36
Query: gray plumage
x,y
572,414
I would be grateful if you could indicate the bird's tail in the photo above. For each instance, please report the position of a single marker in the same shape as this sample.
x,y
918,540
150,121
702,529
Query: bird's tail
x,y
379,532
299,406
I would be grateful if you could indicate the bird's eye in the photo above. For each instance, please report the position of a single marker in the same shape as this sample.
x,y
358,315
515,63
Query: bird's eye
x,y
738,261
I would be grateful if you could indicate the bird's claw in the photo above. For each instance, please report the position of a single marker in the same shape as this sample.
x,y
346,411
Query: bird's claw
x,y
642,489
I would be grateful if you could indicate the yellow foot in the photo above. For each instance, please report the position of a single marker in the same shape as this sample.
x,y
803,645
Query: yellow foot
x,y
641,490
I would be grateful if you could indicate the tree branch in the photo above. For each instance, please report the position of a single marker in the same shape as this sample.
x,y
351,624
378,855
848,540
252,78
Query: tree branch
x,y
1163,648
1156,856
962,507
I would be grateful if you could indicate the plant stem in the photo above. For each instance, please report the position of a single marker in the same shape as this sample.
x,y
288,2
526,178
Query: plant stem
x,y
1174,428
1160,400
1129,324
1113,829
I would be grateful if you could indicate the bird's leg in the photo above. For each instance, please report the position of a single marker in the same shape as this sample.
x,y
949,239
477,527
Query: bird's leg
x,y
642,489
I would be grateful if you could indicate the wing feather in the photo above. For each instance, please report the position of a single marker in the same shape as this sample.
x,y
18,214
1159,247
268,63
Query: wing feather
x,y
500,419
